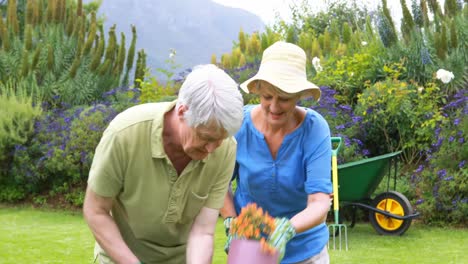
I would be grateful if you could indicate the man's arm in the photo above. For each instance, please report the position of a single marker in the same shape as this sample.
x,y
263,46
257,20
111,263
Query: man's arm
x,y
201,237
96,211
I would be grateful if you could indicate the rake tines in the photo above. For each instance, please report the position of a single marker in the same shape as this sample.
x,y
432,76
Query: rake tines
x,y
337,228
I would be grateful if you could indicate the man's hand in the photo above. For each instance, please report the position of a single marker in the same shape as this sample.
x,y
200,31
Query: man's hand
x,y
283,232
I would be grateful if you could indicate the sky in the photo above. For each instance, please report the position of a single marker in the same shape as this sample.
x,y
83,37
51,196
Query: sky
x,y
267,9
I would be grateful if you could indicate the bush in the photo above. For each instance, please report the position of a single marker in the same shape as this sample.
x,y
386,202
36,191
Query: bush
x,y
343,123
17,114
61,149
442,180
399,116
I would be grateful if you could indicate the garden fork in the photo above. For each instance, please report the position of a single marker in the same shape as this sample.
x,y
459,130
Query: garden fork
x,y
336,227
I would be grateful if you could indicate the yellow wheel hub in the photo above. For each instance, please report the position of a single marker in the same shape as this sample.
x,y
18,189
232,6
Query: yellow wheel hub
x,y
393,207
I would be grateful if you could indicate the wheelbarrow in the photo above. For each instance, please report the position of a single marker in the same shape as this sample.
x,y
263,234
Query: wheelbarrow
x,y
390,212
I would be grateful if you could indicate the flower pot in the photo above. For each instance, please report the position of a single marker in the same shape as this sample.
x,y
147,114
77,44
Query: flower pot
x,y
244,251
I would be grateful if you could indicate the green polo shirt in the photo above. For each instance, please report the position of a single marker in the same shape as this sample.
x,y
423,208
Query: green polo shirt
x,y
154,208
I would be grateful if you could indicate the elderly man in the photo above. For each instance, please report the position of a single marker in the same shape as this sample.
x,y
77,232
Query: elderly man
x,y
161,171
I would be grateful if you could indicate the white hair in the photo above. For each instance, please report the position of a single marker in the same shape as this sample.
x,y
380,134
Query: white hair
x,y
211,95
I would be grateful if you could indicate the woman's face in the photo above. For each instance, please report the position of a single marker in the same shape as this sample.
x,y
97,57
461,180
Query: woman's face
x,y
278,108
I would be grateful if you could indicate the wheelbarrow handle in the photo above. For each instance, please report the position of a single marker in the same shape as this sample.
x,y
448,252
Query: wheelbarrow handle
x,y
336,141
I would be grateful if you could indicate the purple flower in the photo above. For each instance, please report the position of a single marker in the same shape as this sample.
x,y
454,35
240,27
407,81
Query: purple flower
x,y
359,142
442,173
357,119
461,140
456,121
448,178
50,153
438,143
419,201
420,168
461,164
345,107
340,127
83,156
451,138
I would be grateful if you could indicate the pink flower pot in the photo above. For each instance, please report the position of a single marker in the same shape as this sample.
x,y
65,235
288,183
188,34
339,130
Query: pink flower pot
x,y
244,251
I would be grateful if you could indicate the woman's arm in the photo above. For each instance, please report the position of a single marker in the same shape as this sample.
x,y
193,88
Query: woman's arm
x,y
314,214
228,209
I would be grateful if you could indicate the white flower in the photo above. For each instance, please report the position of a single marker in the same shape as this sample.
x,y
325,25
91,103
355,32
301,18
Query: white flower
x,y
364,43
420,89
316,64
172,53
444,75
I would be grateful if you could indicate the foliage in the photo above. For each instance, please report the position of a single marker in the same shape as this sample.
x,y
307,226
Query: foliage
x,y
17,115
399,116
441,180
343,123
61,148
349,74
58,49
153,90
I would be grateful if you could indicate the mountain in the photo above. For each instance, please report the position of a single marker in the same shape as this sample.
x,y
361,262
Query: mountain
x,y
196,29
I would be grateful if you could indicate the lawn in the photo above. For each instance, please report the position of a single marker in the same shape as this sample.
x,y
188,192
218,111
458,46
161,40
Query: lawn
x,y
30,235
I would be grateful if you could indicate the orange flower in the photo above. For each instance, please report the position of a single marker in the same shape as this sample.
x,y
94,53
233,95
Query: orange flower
x,y
254,223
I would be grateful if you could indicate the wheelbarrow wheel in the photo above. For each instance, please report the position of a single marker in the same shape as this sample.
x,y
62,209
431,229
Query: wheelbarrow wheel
x,y
394,203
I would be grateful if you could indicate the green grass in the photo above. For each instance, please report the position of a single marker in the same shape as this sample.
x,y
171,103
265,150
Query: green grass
x,y
30,235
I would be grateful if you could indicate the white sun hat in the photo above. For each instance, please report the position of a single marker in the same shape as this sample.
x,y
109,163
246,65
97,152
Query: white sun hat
x,y
284,66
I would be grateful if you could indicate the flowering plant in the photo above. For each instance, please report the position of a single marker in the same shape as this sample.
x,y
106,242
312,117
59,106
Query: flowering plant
x,y
255,224
444,75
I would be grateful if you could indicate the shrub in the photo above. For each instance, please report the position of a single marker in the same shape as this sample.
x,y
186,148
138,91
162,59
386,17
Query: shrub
x,y
343,123
62,146
348,74
17,114
399,116
441,181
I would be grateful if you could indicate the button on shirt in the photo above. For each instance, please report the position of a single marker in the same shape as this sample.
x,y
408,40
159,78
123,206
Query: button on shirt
x,y
154,207
281,186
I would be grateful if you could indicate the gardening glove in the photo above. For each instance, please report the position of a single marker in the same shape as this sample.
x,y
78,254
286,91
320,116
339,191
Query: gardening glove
x,y
283,232
227,224
227,228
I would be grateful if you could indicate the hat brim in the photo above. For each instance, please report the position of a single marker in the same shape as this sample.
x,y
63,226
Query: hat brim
x,y
304,87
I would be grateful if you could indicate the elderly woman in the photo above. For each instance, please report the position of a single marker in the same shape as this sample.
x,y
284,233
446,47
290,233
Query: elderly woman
x,y
284,157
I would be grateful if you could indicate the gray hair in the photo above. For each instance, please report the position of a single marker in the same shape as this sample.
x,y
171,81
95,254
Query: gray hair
x,y
211,95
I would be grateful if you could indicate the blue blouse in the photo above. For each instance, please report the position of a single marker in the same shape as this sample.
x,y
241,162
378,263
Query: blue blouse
x,y
281,186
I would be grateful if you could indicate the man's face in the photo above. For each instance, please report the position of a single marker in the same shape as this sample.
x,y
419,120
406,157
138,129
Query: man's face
x,y
200,141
